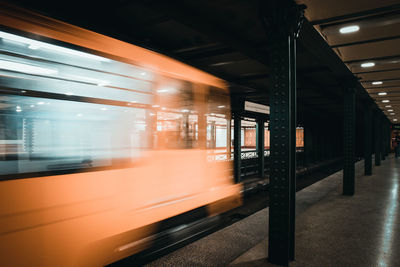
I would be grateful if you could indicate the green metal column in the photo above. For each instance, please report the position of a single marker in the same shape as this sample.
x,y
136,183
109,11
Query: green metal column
x,y
260,147
349,140
237,147
368,141
377,138
282,20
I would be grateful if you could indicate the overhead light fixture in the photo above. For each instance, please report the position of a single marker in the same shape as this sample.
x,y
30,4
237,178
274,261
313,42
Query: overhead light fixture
x,y
385,101
349,29
382,93
25,68
377,83
394,119
367,64
184,110
390,110
388,106
222,106
162,90
69,93
33,44
392,113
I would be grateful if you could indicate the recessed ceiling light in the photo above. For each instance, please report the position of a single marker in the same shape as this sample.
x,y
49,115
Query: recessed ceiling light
x,y
394,119
385,101
222,106
382,93
377,83
390,110
349,29
392,113
367,64
388,106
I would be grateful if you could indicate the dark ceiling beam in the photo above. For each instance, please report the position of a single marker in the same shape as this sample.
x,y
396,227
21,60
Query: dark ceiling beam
x,y
364,13
379,87
212,27
376,71
383,80
207,53
371,59
198,48
367,41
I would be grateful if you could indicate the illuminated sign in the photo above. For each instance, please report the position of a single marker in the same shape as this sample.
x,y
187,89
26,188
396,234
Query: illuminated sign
x,y
250,106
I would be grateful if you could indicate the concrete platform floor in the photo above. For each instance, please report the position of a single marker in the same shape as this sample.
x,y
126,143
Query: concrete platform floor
x,y
331,229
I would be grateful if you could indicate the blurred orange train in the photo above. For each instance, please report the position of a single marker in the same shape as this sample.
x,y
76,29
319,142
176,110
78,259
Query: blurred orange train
x,y
100,140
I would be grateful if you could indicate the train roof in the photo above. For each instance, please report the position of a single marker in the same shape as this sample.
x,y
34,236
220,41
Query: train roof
x,y
27,21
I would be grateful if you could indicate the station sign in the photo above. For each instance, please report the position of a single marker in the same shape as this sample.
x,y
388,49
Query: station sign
x,y
255,107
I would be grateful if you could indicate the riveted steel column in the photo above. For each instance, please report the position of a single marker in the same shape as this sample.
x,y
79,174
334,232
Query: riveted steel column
x,y
349,141
383,137
281,103
377,138
282,23
368,141
237,147
308,145
260,146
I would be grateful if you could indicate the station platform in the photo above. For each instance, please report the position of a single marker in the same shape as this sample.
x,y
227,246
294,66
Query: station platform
x,y
331,229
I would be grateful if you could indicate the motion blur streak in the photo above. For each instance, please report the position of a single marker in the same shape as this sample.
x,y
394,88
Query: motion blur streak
x,y
100,141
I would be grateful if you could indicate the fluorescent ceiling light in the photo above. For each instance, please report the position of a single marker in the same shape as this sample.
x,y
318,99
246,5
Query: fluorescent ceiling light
x,y
184,110
222,106
394,119
349,29
385,101
33,44
377,83
382,93
388,106
162,91
367,64
25,68
390,110
392,114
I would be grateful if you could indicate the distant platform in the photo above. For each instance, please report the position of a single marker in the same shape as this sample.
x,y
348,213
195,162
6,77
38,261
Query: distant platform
x,y
331,229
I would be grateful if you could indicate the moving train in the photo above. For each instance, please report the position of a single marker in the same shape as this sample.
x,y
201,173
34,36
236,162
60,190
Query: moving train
x,y
100,142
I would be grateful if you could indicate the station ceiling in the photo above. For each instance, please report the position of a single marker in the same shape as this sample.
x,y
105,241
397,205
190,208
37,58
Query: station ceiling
x,y
376,41
226,38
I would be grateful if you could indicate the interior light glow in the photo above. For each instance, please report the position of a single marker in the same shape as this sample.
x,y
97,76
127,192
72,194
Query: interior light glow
x,y
392,113
388,106
69,93
143,73
394,119
25,68
184,110
162,91
155,106
385,101
23,91
79,115
32,106
367,64
377,83
33,44
222,106
103,108
349,29
390,110
382,93
18,110
40,103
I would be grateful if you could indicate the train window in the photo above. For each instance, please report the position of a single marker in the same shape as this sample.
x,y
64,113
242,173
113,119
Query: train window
x,y
37,66
65,109
176,116
40,134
